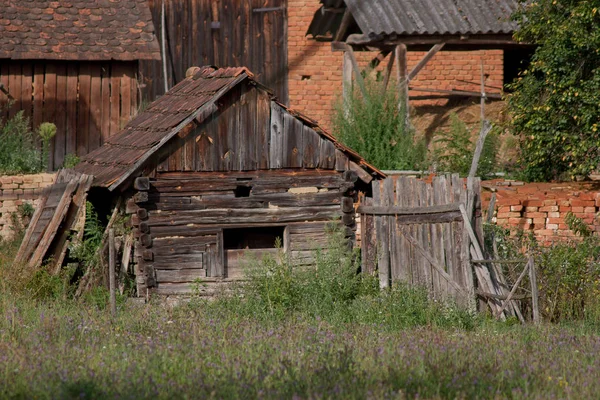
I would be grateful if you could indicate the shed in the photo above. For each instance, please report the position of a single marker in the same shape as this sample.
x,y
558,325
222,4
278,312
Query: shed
x,y
218,169
74,63
393,27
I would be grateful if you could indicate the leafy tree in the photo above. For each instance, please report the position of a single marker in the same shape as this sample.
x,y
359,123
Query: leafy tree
x,y
556,101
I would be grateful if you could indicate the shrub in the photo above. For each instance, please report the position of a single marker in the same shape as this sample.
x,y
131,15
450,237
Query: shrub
x,y
18,153
376,128
455,148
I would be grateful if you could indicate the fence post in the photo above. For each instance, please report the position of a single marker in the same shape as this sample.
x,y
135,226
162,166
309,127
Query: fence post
x,y
534,292
111,271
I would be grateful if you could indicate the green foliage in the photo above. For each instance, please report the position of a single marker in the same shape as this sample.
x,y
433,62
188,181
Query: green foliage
x,y
87,250
333,290
556,101
71,161
569,276
18,154
377,130
567,271
455,148
25,210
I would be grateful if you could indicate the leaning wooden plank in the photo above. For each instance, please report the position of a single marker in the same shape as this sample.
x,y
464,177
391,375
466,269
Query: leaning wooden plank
x,y
22,254
52,227
434,263
482,273
77,207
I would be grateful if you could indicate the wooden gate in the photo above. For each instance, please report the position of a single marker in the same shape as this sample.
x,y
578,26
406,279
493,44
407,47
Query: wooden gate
x,y
415,232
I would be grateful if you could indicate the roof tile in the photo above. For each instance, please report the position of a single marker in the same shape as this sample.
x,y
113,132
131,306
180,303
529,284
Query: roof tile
x,y
77,30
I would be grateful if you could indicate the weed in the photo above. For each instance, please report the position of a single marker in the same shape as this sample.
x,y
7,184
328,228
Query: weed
x,y
377,129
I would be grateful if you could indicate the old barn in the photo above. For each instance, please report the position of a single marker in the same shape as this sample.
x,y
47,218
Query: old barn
x,y
217,169
74,63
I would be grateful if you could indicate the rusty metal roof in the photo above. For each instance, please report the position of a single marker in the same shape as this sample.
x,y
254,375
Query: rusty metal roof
x,y
194,98
421,17
77,30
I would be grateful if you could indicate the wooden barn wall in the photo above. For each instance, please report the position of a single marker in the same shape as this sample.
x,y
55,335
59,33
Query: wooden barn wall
x,y
187,215
88,101
251,132
225,33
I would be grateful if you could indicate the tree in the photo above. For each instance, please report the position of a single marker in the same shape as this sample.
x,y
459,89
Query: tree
x,y
555,106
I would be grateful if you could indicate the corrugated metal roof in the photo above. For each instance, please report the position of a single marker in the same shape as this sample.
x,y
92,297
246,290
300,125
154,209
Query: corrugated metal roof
x,y
129,150
433,17
420,17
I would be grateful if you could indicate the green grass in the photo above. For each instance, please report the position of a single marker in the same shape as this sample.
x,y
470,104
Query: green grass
x,y
71,350
315,332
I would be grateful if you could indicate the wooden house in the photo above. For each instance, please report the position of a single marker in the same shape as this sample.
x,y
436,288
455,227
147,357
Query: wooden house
x,y
217,169
74,63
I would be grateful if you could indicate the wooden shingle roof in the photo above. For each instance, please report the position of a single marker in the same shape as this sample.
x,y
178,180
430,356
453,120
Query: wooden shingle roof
x,y
77,30
193,99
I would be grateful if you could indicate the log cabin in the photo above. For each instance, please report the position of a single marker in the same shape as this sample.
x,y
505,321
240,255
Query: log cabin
x,y
217,170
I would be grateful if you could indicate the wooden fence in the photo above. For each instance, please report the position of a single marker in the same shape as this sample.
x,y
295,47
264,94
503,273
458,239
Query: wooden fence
x,y
225,33
415,232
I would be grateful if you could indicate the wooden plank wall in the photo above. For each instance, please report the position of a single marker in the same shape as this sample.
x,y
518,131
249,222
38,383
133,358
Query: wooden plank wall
x,y
185,214
445,240
88,102
251,132
225,33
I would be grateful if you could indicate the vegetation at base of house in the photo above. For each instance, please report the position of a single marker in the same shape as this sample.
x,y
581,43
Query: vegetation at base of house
x,y
454,150
377,130
568,272
556,101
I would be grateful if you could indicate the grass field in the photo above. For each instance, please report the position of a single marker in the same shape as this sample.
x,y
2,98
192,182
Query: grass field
x,y
199,350
320,332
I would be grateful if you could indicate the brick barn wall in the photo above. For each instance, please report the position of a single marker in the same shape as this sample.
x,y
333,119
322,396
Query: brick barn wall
x,y
16,190
542,207
315,72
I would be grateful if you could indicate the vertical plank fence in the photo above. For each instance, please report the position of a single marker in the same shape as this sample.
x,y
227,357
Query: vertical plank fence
x,y
419,235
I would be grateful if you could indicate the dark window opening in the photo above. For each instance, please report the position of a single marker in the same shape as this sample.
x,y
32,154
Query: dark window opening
x,y
252,238
242,191
515,61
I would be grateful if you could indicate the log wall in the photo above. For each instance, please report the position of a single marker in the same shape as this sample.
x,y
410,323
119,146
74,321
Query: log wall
x,y
182,217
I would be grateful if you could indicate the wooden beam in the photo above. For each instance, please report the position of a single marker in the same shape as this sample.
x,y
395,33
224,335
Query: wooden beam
x,y
482,39
357,75
394,210
534,292
341,32
402,72
457,92
346,81
362,174
388,72
434,50
485,129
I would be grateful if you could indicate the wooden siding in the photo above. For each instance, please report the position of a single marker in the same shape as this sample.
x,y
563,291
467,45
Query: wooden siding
x,y
232,33
185,215
88,101
252,132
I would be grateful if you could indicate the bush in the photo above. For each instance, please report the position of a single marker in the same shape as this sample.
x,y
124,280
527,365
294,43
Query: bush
x,y
18,153
455,148
556,100
567,271
376,129
333,290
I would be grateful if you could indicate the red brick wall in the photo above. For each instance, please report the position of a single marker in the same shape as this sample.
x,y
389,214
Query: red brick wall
x,y
16,190
315,72
542,207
